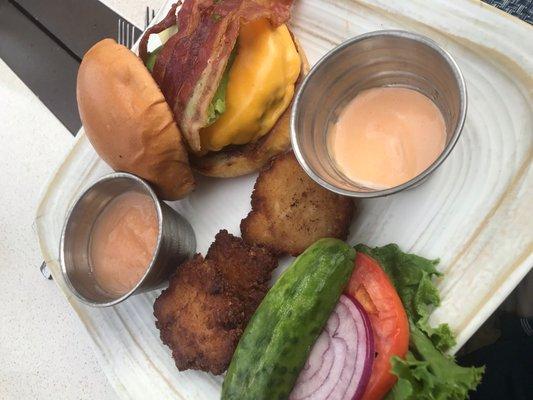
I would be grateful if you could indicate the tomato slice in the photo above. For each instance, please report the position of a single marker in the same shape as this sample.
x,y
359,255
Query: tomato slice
x,y
370,285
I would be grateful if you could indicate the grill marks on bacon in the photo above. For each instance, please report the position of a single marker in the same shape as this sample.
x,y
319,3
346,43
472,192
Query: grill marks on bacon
x,y
190,65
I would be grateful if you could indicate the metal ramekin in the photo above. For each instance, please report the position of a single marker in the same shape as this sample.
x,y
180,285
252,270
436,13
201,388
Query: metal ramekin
x,y
175,241
375,59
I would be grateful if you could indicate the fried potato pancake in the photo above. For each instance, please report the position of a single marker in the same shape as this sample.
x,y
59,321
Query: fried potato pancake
x,y
290,211
209,301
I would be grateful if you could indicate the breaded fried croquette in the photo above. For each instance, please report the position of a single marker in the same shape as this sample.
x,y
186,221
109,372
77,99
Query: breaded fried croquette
x,y
290,211
208,303
247,269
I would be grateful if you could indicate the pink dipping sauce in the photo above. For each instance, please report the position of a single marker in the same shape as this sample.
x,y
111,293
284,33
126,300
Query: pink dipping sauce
x,y
386,136
123,241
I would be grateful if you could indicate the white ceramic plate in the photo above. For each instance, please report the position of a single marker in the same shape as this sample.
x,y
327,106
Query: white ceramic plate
x,y
475,213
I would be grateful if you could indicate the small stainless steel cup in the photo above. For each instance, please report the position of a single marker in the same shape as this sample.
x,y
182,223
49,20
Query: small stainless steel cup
x,y
175,241
375,59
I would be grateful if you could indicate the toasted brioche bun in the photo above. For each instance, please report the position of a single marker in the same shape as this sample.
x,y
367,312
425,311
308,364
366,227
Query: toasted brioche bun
x,y
128,121
244,159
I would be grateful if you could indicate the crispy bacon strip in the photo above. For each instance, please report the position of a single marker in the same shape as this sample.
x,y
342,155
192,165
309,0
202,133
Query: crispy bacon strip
x,y
190,65
165,23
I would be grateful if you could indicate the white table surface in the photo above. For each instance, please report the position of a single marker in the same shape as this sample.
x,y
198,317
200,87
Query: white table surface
x,y
45,352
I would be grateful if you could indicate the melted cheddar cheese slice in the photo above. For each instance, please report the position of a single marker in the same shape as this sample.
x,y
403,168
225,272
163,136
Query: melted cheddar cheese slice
x,y
260,87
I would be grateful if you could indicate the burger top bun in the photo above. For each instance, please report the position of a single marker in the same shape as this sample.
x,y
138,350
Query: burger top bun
x,y
128,121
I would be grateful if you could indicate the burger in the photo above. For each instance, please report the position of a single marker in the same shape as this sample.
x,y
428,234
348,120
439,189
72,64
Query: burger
x,y
213,94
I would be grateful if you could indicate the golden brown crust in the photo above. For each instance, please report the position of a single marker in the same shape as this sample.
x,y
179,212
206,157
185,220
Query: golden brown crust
x,y
128,121
208,303
290,211
241,160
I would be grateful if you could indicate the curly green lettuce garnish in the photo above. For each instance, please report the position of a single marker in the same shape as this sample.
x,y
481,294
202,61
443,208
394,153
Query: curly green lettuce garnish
x,y
412,276
426,372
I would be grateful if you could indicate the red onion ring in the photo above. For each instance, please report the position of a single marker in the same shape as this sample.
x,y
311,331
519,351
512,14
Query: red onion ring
x,y
340,362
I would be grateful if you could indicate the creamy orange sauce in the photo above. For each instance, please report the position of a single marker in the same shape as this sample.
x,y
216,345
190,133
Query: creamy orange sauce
x,y
123,241
387,136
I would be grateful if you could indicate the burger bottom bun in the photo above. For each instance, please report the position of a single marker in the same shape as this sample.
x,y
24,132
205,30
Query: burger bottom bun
x,y
247,158
128,121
